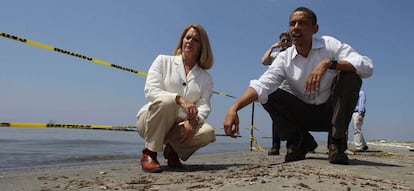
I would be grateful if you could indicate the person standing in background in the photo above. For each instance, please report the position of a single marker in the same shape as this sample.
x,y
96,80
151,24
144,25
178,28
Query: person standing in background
x,y
284,42
357,121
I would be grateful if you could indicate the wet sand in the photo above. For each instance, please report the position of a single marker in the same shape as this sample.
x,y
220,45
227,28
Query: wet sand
x,y
381,168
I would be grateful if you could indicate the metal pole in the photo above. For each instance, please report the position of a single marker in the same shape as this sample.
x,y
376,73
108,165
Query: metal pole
x,y
251,128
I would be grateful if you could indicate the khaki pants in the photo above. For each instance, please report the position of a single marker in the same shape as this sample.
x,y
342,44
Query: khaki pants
x,y
359,140
159,125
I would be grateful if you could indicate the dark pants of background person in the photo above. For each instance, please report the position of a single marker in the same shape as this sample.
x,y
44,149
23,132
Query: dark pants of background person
x,y
268,108
295,118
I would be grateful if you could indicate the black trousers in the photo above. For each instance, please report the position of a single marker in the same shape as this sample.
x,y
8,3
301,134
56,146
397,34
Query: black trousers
x,y
291,116
268,108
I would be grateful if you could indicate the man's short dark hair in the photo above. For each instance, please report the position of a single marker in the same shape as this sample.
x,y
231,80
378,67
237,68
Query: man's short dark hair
x,y
310,12
284,34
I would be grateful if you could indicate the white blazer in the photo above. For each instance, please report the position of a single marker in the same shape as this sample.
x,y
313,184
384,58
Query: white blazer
x,y
166,77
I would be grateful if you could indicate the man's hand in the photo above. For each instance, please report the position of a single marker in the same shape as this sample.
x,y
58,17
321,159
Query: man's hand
x,y
314,79
277,45
231,119
360,117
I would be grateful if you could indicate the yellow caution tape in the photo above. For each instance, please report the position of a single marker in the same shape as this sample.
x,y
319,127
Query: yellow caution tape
x,y
69,126
254,140
51,48
254,128
224,135
73,126
259,147
223,94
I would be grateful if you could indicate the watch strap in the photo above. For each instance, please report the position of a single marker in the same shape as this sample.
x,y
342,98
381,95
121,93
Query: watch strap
x,y
334,62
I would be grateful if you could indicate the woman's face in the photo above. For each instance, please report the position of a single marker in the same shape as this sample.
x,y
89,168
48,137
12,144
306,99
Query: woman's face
x,y
191,43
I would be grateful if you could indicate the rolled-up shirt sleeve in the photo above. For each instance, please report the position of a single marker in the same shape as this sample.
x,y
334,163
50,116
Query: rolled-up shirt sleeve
x,y
259,88
367,67
268,81
363,64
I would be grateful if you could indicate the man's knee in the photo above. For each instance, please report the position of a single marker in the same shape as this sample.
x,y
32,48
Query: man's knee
x,y
351,78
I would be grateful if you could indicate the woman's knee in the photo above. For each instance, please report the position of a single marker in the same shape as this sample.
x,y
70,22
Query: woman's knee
x,y
164,102
208,133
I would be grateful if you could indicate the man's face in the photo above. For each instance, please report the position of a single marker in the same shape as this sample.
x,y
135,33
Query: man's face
x,y
301,28
286,41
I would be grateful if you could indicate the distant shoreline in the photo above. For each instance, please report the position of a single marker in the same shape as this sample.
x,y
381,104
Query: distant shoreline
x,y
392,143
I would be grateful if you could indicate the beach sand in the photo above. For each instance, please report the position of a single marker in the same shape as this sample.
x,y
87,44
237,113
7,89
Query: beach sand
x,y
381,168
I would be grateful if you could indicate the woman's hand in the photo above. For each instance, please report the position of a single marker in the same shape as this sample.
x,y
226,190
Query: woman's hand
x,y
190,108
188,130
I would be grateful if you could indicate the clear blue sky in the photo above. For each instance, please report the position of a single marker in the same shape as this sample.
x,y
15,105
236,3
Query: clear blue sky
x,y
38,85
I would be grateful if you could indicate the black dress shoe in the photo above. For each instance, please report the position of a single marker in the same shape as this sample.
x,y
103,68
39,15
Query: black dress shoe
x,y
294,154
336,153
274,151
295,149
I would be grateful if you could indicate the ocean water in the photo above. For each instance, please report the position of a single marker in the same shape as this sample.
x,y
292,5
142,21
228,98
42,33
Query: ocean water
x,y
40,147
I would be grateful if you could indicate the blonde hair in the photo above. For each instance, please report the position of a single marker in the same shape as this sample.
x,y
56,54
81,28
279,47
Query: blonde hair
x,y
205,59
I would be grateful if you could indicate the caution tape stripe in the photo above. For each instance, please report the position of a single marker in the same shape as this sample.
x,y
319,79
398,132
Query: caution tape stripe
x,y
51,48
72,126
223,94
69,126
254,140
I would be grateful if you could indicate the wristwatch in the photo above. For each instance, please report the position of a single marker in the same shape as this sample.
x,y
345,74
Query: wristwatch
x,y
334,62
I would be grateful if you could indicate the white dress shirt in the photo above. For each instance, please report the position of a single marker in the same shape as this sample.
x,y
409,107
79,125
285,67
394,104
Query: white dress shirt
x,y
295,69
166,77
361,104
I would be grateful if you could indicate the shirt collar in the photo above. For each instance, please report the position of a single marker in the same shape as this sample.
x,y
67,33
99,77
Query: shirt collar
x,y
316,44
178,60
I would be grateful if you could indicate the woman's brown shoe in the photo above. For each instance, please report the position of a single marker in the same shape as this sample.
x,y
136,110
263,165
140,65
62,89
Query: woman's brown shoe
x,y
172,156
149,162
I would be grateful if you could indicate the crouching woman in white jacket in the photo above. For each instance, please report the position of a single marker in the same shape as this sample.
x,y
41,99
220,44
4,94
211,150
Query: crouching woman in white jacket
x,y
179,90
